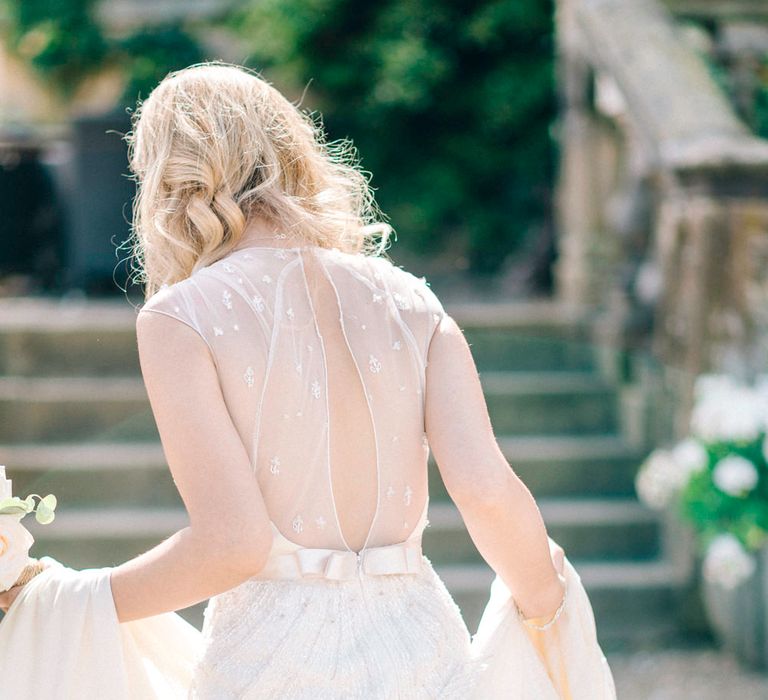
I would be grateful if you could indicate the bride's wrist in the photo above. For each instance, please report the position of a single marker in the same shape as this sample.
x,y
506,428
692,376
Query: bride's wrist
x,y
545,621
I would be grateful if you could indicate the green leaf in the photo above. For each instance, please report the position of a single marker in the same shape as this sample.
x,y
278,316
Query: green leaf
x,y
13,506
44,515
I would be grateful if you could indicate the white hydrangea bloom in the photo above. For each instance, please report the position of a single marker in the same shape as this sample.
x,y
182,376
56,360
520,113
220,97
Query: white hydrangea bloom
x,y
735,475
726,562
659,478
690,455
727,411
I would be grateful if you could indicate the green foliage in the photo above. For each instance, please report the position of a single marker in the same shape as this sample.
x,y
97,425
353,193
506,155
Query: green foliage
x,y
60,40
761,100
64,44
450,105
44,514
712,511
150,54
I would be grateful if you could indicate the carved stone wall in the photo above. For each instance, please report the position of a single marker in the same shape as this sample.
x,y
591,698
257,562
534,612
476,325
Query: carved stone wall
x,y
663,197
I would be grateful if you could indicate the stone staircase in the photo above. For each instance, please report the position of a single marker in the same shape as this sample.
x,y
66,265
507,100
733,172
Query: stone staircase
x,y
75,421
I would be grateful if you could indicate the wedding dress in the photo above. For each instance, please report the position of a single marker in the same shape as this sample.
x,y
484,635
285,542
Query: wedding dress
x,y
321,357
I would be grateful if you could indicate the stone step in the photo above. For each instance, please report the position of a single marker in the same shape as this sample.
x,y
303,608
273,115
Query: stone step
x,y
511,350
587,529
538,335
555,465
55,337
135,473
77,407
635,604
52,409
551,403
69,337
93,474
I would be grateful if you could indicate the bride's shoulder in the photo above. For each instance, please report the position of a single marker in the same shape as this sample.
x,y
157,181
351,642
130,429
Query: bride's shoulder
x,y
410,292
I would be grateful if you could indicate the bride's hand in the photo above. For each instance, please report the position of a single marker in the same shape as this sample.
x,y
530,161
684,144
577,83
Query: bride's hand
x,y
7,597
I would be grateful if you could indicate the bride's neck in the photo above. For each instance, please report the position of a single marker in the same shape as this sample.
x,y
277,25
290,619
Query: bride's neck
x,y
258,231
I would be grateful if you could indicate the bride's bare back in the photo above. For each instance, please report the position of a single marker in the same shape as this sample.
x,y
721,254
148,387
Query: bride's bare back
x,y
321,357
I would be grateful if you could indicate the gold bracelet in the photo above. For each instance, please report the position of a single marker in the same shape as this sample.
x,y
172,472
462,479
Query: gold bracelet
x,y
529,622
31,570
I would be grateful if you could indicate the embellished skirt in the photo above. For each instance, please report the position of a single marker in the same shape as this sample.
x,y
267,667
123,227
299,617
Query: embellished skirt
x,y
372,637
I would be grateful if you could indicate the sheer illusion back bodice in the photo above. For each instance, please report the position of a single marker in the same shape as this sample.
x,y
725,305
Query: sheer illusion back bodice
x,y
321,356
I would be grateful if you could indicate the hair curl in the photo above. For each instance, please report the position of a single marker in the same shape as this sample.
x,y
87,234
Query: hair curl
x,y
215,144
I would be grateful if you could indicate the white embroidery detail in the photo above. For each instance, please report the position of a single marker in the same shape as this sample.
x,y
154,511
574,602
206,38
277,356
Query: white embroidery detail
x,y
176,309
247,256
397,345
298,523
436,317
289,312
320,522
235,327
217,331
258,302
373,364
310,348
266,279
248,376
228,267
316,389
377,298
390,492
298,369
395,438
407,495
363,326
401,301
240,280
402,388
281,254
226,299
274,465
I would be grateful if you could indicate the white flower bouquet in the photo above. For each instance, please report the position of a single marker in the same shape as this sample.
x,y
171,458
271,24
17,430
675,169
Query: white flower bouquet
x,y
15,539
717,477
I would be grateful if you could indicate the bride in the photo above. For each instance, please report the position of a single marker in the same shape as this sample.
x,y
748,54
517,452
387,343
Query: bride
x,y
299,381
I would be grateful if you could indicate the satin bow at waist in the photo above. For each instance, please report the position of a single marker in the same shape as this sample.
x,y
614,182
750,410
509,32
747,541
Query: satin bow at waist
x,y
341,564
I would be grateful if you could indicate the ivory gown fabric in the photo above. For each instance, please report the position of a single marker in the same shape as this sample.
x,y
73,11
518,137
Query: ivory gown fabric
x,y
323,619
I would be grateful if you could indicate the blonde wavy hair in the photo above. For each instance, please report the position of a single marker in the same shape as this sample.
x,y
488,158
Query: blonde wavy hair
x,y
215,144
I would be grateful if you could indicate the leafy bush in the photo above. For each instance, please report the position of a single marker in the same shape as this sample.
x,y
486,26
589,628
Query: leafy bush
x,y
449,104
64,43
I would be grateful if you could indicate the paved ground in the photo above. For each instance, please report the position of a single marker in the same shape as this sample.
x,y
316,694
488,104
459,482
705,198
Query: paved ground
x,y
683,674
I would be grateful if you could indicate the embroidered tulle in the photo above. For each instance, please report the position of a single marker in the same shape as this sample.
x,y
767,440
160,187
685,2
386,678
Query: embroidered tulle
x,y
321,356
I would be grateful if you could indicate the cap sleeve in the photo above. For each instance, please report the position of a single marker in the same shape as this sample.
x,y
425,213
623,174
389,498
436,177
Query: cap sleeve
x,y
419,306
177,301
